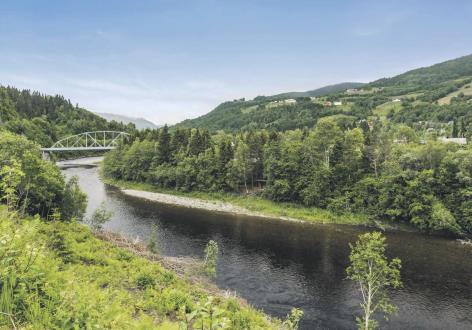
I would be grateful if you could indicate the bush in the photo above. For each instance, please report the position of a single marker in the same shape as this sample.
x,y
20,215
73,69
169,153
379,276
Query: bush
x,y
49,282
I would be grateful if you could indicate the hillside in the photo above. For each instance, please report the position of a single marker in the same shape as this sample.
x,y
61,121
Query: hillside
x,y
44,118
439,93
320,91
66,278
140,123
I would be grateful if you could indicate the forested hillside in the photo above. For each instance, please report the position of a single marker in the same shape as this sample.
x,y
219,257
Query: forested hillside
x,y
377,150
319,91
44,119
429,97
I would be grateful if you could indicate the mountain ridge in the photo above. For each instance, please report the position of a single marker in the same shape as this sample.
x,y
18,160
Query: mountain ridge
x,y
397,97
139,122
321,91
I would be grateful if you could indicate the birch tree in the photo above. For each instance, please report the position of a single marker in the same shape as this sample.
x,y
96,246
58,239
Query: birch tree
x,y
374,275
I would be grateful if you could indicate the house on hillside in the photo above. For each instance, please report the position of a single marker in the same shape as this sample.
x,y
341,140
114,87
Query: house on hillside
x,y
290,101
328,104
396,100
337,103
352,91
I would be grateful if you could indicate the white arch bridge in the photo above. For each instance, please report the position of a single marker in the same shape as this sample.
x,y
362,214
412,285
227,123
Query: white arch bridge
x,y
98,140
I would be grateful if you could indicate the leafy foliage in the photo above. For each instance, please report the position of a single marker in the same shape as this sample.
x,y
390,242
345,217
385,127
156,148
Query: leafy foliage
x,y
384,171
40,187
211,258
153,244
99,217
57,275
293,319
374,274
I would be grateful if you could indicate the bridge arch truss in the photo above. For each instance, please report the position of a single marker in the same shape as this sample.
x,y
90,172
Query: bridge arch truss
x,y
98,140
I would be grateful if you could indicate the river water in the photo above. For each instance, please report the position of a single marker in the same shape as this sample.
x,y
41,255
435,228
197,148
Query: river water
x,y
277,265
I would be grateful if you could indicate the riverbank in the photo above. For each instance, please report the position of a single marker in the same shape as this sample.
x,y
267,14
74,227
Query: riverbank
x,y
190,269
66,277
234,204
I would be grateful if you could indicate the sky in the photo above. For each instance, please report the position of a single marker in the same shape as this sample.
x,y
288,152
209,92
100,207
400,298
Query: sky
x,y
169,60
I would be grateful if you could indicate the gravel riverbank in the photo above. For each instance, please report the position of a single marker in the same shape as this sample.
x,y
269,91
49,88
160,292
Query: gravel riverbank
x,y
216,206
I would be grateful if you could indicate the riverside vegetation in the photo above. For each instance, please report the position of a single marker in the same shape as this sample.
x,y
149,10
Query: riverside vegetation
x,y
358,173
55,274
374,275
376,157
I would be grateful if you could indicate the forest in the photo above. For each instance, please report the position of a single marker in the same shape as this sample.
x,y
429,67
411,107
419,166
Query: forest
x,y
382,170
57,273
45,119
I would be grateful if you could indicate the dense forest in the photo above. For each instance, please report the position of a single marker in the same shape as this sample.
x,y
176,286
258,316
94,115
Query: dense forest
x,y
383,171
45,119
56,273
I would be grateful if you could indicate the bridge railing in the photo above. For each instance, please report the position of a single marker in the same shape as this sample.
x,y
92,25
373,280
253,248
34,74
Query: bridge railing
x,y
98,140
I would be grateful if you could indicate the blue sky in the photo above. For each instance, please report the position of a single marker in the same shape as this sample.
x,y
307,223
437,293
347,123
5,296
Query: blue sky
x,y
171,60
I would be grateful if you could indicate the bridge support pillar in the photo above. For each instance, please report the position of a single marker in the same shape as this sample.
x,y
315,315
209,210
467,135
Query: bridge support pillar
x,y
45,155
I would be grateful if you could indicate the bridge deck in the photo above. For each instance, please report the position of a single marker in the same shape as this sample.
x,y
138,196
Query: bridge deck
x,y
76,148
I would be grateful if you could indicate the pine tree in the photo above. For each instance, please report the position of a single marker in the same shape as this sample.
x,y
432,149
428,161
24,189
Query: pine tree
x,y
194,143
163,146
454,129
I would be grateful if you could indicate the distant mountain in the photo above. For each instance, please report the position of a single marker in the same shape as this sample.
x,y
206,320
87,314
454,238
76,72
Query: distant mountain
x,y
273,112
321,91
140,123
438,93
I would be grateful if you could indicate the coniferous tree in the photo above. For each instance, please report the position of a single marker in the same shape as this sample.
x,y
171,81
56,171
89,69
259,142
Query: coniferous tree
x,y
163,146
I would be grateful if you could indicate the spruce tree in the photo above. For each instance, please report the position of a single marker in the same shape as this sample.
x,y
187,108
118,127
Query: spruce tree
x,y
164,146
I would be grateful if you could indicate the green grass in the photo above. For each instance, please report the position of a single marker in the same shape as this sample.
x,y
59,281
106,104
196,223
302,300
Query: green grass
x,y
255,204
248,109
384,109
63,277
467,90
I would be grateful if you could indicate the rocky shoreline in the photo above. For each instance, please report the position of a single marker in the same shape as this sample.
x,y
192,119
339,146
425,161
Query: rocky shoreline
x,y
215,206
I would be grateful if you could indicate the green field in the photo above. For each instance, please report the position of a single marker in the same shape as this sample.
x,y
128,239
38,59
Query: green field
x,y
466,89
384,109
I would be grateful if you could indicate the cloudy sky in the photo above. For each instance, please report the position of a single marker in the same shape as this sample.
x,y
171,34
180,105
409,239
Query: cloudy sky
x,y
170,60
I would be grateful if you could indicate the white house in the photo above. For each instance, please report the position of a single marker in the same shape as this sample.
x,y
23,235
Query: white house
x,y
337,103
352,91
396,100
290,101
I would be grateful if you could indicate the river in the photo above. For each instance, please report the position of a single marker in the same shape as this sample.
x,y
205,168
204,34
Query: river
x,y
277,265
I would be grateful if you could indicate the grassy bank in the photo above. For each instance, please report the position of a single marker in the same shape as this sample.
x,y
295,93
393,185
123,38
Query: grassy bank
x,y
254,204
60,276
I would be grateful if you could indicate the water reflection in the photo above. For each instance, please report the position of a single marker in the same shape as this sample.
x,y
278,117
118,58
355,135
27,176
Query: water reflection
x,y
277,265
